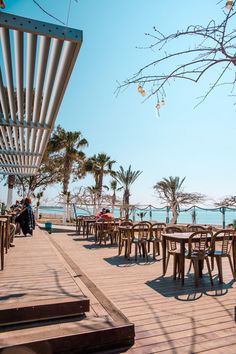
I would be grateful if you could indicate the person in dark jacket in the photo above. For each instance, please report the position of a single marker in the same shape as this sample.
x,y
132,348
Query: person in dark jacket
x,y
26,218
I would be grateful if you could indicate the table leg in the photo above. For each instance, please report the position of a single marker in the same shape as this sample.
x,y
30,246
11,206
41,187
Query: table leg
x,y
200,266
163,255
87,229
182,260
234,252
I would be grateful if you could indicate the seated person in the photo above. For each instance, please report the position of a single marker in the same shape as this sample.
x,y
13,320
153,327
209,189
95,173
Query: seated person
x,y
12,234
107,215
15,210
100,213
26,218
15,206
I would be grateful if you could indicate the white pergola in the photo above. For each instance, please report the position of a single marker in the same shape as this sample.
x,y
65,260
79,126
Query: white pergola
x,y
36,60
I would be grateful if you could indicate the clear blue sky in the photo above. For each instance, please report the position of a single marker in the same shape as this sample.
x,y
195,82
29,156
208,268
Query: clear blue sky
x,y
196,143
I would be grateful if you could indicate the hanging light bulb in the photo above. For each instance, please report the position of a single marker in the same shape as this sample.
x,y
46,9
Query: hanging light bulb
x,y
229,4
140,88
143,93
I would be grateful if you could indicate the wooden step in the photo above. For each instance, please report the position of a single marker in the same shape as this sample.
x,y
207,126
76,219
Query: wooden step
x,y
42,310
87,335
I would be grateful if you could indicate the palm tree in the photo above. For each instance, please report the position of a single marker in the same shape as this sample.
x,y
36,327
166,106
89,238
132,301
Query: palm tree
x,y
171,191
113,187
99,165
126,179
69,145
93,194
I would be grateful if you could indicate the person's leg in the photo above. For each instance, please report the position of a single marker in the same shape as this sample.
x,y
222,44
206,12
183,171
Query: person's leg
x,y
12,233
18,228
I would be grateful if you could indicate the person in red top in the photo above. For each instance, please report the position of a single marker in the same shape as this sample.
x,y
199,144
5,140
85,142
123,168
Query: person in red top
x,y
108,215
102,212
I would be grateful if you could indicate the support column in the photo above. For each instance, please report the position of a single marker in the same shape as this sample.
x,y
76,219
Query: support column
x,y
10,182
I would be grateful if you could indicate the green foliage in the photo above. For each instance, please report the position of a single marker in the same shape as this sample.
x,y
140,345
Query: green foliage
x,y
126,179
170,191
67,146
141,214
99,166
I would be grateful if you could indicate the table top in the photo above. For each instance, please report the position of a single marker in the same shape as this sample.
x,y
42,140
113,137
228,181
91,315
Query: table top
x,y
180,236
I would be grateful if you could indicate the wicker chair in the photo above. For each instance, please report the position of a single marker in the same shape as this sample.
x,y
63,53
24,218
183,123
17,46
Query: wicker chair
x,y
140,236
198,251
125,237
221,248
173,249
105,231
155,237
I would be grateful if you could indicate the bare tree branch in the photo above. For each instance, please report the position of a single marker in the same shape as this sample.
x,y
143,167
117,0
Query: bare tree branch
x,y
216,46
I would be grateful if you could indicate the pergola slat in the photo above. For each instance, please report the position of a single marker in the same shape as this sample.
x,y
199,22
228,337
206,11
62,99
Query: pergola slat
x,y
29,102
18,48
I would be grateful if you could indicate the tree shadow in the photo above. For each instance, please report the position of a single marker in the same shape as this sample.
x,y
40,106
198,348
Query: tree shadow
x,y
168,287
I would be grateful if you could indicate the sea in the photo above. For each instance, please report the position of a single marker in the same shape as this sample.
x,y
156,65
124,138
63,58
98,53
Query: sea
x,y
203,216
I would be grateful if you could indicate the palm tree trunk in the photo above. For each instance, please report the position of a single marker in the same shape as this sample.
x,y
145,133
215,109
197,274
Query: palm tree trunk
x,y
66,180
126,203
68,207
99,193
174,209
113,201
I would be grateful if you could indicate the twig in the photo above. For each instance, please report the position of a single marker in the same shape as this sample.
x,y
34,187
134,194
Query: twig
x,y
47,13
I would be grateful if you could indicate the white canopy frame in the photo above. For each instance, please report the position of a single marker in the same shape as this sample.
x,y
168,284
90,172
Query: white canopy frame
x,y
36,62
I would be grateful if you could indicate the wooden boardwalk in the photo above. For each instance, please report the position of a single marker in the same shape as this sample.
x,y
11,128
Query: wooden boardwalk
x,y
42,299
33,272
168,318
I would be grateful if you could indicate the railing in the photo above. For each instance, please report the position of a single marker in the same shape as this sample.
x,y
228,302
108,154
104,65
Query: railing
x,y
192,215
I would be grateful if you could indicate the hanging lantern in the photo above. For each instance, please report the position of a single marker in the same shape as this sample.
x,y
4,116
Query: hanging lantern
x,y
158,105
163,102
229,4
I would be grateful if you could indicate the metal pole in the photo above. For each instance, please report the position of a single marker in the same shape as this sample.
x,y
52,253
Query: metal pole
x,y
222,210
167,215
150,212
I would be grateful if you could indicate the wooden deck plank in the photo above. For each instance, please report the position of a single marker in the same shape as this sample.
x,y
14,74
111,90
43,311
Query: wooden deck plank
x,y
167,317
41,296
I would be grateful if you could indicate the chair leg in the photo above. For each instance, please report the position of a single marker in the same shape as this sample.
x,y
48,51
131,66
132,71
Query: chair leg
x,y
129,245
120,247
154,249
145,252
196,271
209,270
231,266
175,266
179,266
219,266
136,251
190,265
212,263
158,248
139,248
167,262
